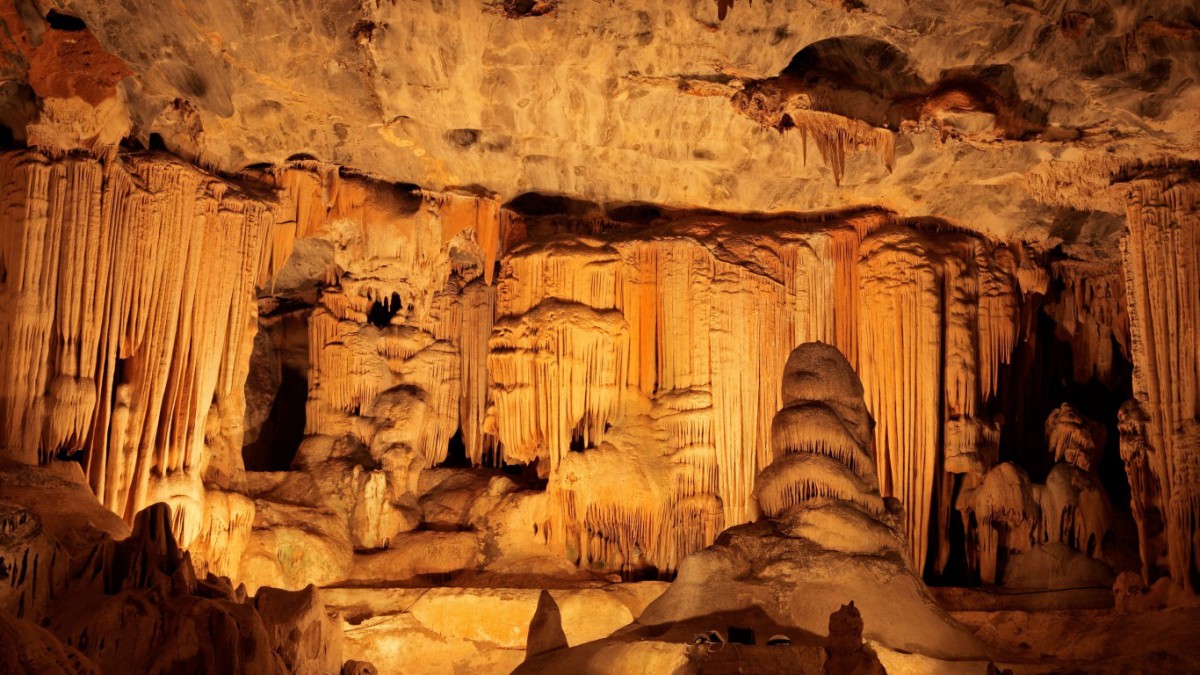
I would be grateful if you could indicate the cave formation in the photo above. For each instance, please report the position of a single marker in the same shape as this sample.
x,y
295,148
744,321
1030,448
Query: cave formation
x,y
494,336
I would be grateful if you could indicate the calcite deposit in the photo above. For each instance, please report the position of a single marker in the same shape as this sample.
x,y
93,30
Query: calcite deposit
x,y
570,336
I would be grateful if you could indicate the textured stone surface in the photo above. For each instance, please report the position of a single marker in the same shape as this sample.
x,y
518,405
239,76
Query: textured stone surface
x,y
999,106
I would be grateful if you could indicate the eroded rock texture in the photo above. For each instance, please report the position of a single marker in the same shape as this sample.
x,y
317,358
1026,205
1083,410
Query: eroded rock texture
x,y
985,115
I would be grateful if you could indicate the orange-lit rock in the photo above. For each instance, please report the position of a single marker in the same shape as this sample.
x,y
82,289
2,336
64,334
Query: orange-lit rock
x,y
448,337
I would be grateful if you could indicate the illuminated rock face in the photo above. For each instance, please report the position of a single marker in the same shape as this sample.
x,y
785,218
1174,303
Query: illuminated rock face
x,y
991,117
695,308
128,318
630,356
609,342
550,359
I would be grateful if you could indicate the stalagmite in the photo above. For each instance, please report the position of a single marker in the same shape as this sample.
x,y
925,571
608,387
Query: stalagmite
x,y
827,536
1074,510
1074,439
1006,514
820,439
709,317
1006,510
1144,497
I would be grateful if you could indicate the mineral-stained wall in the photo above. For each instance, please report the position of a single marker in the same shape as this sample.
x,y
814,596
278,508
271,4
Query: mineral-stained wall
x,y
1161,252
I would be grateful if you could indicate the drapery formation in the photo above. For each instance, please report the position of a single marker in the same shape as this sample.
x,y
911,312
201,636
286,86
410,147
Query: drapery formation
x,y
1161,256
128,295
644,347
711,306
127,321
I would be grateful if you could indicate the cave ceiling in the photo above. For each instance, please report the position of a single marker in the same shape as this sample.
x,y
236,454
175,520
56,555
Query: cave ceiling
x,y
1012,119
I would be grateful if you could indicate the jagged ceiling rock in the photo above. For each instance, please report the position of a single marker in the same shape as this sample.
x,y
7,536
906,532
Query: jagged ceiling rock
x,y
999,108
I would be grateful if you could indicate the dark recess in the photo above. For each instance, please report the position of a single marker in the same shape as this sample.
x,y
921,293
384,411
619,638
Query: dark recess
x,y
60,21
381,314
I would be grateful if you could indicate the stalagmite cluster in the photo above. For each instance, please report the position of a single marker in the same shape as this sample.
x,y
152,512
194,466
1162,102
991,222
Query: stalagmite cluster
x,y
1006,514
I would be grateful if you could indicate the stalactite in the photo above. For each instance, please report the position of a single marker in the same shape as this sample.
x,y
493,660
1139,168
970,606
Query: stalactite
x,y
1091,312
1160,250
939,318
1074,439
711,309
478,314
412,305
999,313
559,372
128,307
689,318
126,312
836,136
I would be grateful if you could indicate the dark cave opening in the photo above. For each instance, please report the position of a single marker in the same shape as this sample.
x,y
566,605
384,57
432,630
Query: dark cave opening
x,y
281,434
382,312
1039,378
277,392
65,22
456,453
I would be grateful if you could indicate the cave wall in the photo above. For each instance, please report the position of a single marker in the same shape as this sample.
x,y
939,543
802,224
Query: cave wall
x,y
626,358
